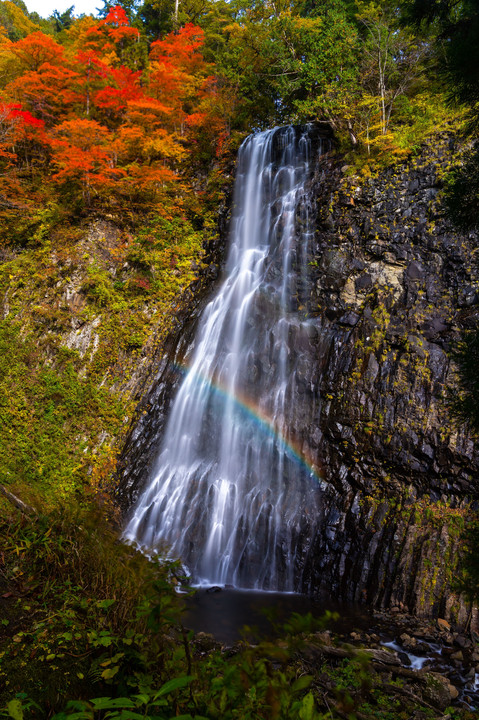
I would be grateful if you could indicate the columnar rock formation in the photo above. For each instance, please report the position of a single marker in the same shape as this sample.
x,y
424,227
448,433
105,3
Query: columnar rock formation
x,y
389,287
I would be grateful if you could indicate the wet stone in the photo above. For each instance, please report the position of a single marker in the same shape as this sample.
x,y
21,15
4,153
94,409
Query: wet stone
x,y
415,271
462,641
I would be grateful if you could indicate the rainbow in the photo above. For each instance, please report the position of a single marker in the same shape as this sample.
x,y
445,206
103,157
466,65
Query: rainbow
x,y
263,421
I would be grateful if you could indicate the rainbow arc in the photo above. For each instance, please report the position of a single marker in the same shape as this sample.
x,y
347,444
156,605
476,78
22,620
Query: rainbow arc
x,y
291,446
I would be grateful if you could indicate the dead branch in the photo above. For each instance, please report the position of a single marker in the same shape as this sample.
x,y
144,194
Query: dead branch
x,y
14,500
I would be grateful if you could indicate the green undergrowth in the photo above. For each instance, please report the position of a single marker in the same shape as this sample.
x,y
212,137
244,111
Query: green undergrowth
x,y
45,409
79,611
83,310
91,629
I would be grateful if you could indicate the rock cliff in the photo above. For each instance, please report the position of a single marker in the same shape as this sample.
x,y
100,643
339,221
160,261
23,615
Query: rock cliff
x,y
389,286
392,285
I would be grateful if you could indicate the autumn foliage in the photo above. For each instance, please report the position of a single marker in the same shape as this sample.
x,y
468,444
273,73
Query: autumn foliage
x,y
91,122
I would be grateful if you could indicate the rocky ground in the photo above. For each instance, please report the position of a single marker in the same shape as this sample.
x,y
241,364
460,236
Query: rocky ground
x,y
400,667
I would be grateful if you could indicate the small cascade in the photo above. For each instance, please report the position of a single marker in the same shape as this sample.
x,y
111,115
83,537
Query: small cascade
x,y
231,493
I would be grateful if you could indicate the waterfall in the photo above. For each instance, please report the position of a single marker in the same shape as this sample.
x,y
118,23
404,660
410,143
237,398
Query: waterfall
x,y
231,493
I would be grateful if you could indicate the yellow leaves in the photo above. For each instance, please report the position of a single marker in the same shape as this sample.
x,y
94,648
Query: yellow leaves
x,y
234,29
128,143
163,144
134,143
307,24
15,17
4,40
9,66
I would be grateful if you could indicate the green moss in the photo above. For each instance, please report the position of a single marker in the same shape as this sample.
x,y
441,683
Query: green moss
x,y
49,416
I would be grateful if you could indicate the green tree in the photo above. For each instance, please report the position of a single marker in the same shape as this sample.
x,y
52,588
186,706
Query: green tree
x,y
155,17
392,57
14,18
327,83
456,27
283,60
63,20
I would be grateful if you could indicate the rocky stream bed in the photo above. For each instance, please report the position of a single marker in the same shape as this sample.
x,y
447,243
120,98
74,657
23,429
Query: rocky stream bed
x,y
424,669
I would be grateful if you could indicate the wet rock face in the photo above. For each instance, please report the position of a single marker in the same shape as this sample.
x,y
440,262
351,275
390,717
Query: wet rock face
x,y
385,290
391,286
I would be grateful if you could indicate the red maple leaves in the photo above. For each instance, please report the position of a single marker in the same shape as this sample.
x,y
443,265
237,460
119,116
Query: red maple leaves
x,y
95,123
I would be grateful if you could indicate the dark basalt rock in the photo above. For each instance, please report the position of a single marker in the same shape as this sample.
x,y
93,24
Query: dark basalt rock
x,y
389,287
381,369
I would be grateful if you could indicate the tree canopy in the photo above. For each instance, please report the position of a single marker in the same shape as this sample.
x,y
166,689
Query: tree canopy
x,y
160,87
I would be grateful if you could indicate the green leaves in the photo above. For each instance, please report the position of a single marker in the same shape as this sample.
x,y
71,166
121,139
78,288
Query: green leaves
x,y
301,683
172,685
135,707
307,710
107,703
15,710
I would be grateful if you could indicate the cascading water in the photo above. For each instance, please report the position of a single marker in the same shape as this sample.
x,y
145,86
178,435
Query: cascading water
x,y
230,494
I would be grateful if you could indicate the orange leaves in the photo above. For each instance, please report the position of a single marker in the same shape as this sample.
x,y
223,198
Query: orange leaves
x,y
88,154
75,163
90,63
81,154
117,17
181,48
149,177
118,26
97,127
129,140
177,70
82,132
143,155
181,79
147,112
37,49
114,30
196,119
48,91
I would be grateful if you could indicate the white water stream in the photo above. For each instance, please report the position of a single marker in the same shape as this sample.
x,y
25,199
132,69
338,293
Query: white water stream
x,y
230,494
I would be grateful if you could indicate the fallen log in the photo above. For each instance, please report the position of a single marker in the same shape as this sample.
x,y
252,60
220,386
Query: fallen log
x,y
14,500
